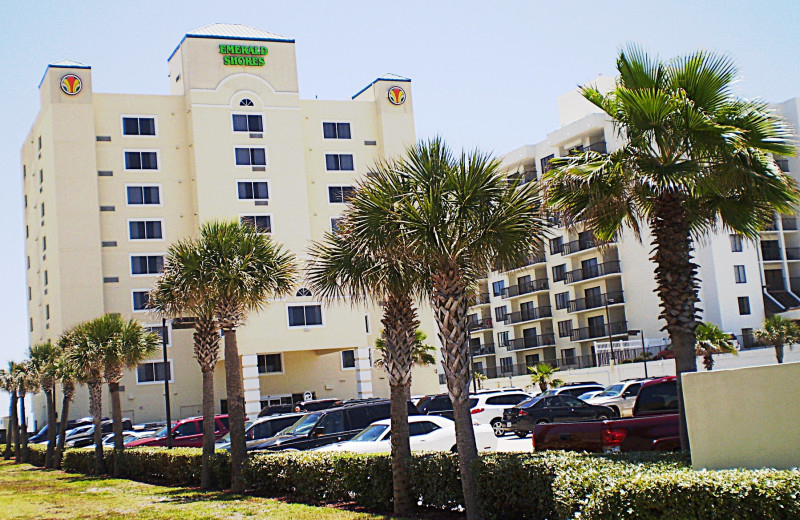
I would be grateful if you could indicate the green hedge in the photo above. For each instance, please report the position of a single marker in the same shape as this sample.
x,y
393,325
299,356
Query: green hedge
x,y
36,454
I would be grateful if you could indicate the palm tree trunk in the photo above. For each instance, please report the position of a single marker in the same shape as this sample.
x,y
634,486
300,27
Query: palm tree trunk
x,y
400,324
17,432
51,427
779,353
12,421
23,430
208,427
450,303
116,423
68,389
236,418
96,409
677,287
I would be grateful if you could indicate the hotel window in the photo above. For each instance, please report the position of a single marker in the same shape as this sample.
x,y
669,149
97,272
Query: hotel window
x,y
140,299
246,103
145,230
568,356
339,162
30,293
340,194
141,160
248,123
744,305
44,243
736,243
40,143
556,245
562,300
303,293
261,223
270,364
42,209
31,322
506,364
348,359
143,195
305,315
559,273
251,157
153,372
564,328
502,339
138,126
500,313
29,261
147,264
336,130
739,274
47,311
45,277
163,332
335,222
253,190
499,288
41,176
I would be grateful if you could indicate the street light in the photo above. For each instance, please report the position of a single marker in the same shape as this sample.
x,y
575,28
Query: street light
x,y
644,351
610,340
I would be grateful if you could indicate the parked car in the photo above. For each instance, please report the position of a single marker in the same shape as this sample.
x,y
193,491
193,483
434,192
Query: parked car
x,y
487,408
588,395
438,404
426,433
276,409
127,436
84,435
323,427
574,389
41,436
653,427
262,428
185,433
619,397
543,409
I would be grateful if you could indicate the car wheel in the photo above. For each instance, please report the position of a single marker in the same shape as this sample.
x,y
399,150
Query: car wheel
x,y
497,426
542,421
602,417
454,449
615,410
520,434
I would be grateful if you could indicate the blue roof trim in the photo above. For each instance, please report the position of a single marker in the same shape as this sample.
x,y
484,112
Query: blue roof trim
x,y
377,80
61,67
212,37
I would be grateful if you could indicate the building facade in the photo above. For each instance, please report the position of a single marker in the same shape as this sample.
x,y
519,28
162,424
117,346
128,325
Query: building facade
x,y
576,296
110,180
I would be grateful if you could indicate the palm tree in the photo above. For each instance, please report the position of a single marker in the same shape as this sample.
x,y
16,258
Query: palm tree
x,y
353,265
459,218
124,344
86,357
240,269
28,382
9,384
695,159
68,377
43,358
778,331
421,355
543,375
712,340
172,297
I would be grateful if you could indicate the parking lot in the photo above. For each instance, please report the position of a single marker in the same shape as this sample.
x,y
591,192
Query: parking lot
x,y
511,442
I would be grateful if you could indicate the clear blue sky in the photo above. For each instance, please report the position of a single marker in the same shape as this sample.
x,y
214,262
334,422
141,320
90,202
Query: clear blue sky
x,y
484,73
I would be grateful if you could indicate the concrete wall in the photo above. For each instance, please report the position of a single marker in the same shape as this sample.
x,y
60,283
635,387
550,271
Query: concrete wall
x,y
745,417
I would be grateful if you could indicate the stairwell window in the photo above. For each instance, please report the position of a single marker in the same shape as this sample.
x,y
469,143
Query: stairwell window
x,y
248,123
143,194
139,125
736,243
141,160
739,274
744,305
251,156
336,130
270,364
252,190
153,372
140,299
261,223
340,194
146,264
339,162
348,359
305,315
146,229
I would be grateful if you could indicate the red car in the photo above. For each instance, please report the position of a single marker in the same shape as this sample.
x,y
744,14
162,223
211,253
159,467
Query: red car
x,y
185,433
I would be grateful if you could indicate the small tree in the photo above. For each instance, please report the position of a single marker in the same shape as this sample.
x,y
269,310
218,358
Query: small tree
x,y
712,340
43,358
779,331
9,384
420,352
480,377
68,377
543,375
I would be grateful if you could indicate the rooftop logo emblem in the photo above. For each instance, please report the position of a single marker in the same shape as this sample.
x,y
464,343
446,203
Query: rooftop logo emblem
x,y
397,96
71,84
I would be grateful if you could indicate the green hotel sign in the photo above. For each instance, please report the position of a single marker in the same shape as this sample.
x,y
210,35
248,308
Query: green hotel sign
x,y
246,55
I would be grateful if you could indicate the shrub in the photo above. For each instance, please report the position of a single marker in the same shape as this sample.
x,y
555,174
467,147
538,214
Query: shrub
x,y
36,454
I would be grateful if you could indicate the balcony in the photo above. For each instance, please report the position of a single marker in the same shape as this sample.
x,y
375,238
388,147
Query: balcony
x,y
582,244
787,224
529,315
773,254
602,331
582,304
523,177
526,288
479,299
593,271
542,340
479,324
599,147
482,350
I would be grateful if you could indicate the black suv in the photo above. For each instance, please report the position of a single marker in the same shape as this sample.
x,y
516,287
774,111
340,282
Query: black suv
x,y
551,408
439,404
325,427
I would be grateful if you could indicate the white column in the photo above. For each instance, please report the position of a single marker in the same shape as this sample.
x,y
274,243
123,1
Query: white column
x,y
252,386
363,373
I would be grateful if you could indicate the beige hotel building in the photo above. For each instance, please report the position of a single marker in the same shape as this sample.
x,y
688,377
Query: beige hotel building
x,y
111,180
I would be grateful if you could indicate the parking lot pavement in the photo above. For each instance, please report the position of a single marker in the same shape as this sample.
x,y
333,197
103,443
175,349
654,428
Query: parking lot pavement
x,y
511,442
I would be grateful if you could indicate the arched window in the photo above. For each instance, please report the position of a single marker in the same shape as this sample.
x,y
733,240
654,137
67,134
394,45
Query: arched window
x,y
303,292
246,103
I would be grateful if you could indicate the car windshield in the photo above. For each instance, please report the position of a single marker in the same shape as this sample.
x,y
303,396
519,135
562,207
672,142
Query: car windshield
x,y
162,432
552,391
370,433
611,391
80,430
530,402
303,425
587,395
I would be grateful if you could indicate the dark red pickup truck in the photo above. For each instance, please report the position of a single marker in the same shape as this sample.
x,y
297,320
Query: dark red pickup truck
x,y
653,427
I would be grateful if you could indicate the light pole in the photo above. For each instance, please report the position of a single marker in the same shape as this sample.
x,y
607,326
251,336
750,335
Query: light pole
x,y
166,380
610,340
644,350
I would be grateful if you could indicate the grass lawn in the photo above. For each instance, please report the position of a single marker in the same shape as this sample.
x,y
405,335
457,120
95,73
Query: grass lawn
x,y
27,492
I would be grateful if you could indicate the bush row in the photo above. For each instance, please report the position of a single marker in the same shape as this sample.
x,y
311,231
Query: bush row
x,y
553,485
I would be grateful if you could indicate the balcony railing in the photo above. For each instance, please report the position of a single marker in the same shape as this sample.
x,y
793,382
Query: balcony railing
x,y
599,147
593,302
482,350
480,324
526,288
542,340
529,314
773,254
582,244
601,331
593,271
480,299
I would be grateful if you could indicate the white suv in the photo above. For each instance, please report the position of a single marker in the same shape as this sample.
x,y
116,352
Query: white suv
x,y
487,408
619,397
